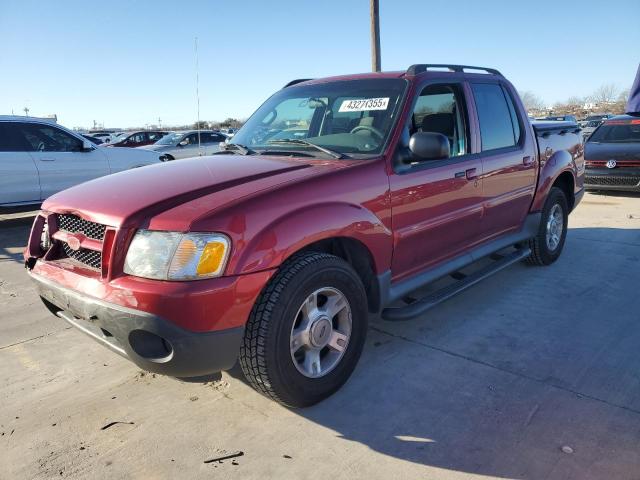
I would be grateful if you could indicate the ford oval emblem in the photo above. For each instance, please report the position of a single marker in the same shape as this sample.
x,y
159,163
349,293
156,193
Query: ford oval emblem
x,y
611,163
73,242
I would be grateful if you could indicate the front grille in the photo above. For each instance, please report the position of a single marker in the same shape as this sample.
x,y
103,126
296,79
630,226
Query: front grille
x,y
96,231
75,224
611,181
619,163
90,258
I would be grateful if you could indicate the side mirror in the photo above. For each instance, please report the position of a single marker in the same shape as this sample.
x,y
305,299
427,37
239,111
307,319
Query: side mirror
x,y
183,143
429,146
87,146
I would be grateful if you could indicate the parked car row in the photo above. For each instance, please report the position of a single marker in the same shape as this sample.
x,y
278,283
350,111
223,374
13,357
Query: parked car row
x,y
39,158
190,143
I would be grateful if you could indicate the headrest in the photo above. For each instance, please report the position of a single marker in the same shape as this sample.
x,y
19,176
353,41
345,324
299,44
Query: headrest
x,y
366,122
438,123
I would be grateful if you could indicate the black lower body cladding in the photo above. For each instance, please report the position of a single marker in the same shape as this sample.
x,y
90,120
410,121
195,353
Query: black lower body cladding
x,y
151,342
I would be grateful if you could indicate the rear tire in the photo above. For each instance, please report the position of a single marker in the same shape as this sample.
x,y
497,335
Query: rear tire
x,y
548,243
298,351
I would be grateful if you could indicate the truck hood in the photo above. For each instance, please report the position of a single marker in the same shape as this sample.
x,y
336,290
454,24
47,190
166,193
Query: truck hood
x,y
612,151
132,197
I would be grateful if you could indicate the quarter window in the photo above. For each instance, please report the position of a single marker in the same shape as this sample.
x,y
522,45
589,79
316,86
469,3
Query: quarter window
x,y
498,126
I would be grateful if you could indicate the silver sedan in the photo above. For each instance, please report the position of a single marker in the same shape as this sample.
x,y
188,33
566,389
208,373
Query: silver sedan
x,y
186,144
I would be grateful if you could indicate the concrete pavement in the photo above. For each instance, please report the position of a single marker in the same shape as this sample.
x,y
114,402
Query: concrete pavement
x,y
532,374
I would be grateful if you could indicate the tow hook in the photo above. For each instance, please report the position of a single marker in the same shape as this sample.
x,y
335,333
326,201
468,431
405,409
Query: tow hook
x,y
30,263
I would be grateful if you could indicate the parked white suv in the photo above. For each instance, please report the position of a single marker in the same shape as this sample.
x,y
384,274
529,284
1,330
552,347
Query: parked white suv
x,y
39,158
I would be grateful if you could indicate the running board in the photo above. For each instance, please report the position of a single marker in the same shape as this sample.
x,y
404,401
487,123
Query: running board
x,y
419,306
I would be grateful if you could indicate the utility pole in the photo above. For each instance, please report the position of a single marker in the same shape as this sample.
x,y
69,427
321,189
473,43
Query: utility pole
x,y
375,36
198,95
26,111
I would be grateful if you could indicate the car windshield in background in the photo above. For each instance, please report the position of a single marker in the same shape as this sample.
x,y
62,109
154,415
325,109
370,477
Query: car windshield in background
x,y
617,133
170,139
351,117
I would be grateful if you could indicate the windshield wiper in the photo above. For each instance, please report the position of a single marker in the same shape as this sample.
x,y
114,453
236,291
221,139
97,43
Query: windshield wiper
x,y
297,141
242,150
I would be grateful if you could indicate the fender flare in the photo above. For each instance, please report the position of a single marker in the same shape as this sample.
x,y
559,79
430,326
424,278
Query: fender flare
x,y
290,233
558,163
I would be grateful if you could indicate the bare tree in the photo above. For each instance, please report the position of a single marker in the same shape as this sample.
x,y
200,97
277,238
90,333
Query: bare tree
x,y
606,93
624,95
531,101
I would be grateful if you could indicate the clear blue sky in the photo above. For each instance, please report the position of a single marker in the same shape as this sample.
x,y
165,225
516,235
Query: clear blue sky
x,y
126,63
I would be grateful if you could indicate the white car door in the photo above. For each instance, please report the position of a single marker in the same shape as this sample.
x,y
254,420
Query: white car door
x,y
213,142
188,147
60,157
19,183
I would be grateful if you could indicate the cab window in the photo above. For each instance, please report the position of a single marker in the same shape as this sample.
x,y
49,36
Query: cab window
x,y
440,109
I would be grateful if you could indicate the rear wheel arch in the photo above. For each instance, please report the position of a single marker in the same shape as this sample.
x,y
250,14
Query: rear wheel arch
x,y
566,183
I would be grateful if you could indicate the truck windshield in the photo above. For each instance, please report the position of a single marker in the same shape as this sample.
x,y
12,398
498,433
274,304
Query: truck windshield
x,y
617,133
351,117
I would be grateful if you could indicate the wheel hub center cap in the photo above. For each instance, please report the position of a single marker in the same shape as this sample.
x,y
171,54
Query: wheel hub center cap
x,y
320,332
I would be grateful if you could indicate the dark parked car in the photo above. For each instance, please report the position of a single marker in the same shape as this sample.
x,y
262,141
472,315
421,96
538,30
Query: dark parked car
x,y
138,139
612,155
276,250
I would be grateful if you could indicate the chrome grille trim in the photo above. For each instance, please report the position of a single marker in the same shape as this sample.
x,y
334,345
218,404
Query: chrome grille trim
x,y
74,224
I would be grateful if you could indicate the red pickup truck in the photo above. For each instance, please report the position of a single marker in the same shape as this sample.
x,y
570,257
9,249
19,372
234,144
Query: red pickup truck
x,y
339,198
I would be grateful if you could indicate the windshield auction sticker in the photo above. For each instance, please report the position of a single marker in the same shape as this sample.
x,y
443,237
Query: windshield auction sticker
x,y
364,104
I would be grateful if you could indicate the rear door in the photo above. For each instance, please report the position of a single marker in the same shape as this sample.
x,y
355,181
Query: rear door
x,y
60,158
437,204
508,155
19,182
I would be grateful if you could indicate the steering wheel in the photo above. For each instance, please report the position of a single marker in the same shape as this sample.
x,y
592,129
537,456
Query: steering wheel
x,y
41,147
373,130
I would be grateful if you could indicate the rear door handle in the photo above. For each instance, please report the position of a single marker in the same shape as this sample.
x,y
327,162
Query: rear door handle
x,y
47,159
470,173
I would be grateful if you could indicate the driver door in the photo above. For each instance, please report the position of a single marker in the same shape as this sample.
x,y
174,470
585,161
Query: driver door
x,y
60,158
437,204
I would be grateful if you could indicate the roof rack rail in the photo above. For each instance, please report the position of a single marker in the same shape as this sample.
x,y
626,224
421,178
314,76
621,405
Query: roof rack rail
x,y
423,67
296,81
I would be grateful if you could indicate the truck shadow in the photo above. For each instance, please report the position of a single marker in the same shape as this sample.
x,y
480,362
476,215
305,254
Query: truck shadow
x,y
509,376
14,233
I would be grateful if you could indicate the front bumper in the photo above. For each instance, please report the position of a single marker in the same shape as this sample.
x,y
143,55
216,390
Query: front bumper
x,y
621,179
150,341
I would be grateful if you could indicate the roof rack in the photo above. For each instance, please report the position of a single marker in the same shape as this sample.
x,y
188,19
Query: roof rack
x,y
423,67
296,81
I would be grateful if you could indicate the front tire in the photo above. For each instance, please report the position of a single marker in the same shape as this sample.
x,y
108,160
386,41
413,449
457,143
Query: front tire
x,y
548,243
306,331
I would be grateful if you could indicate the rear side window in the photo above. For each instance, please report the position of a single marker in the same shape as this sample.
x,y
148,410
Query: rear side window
x,y
11,140
499,127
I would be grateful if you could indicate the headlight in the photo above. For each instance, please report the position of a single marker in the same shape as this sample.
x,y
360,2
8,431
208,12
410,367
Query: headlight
x,y
177,256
